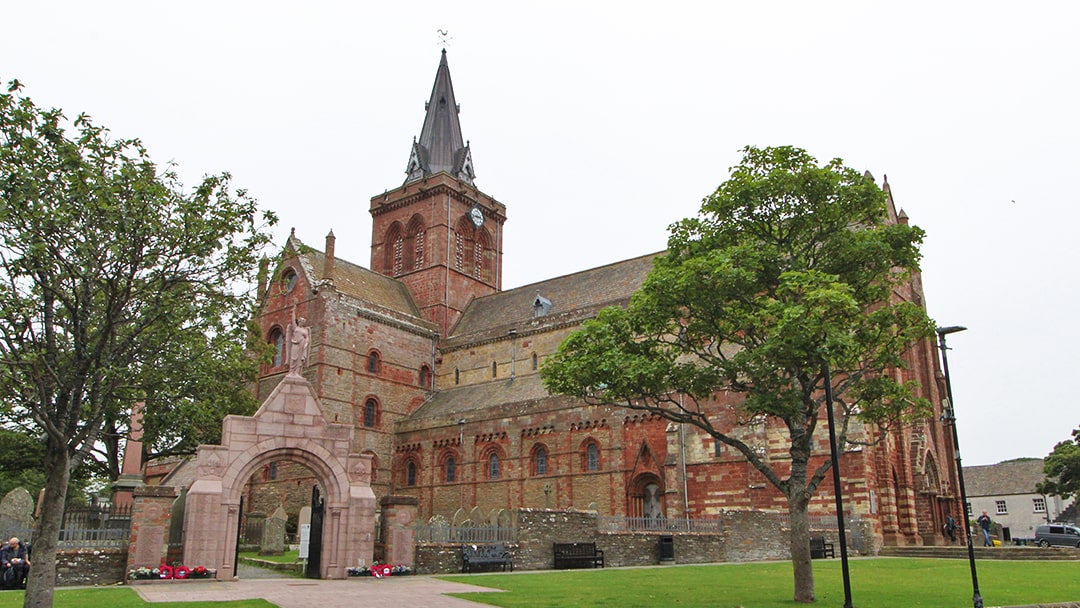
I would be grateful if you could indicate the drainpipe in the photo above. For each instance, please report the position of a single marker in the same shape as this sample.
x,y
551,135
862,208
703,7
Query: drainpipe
x,y
682,458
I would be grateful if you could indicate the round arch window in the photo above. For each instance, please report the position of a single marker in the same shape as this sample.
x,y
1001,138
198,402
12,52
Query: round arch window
x,y
288,280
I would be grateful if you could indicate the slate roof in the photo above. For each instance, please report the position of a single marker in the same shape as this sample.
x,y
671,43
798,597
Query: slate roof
x,y
574,298
441,146
1004,478
450,404
387,295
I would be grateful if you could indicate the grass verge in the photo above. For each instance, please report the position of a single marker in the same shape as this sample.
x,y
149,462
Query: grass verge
x,y
875,583
119,597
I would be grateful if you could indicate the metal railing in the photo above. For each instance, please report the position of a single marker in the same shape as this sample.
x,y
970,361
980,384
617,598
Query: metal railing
x,y
467,534
820,522
659,524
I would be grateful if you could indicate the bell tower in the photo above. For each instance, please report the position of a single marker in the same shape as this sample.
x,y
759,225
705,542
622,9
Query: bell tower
x,y
437,233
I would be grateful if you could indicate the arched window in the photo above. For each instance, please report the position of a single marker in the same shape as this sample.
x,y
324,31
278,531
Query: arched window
x,y
457,376
536,362
414,257
540,460
371,411
478,259
410,474
459,251
450,469
277,338
394,248
493,466
373,362
288,280
494,369
425,376
592,457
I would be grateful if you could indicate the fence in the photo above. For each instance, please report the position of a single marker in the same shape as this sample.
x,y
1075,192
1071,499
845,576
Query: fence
x,y
87,527
659,524
470,534
821,522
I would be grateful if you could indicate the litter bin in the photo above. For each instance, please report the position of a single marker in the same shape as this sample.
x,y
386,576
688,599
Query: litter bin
x,y
667,549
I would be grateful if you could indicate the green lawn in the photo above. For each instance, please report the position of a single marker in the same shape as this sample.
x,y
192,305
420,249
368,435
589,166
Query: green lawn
x,y
119,597
290,557
875,583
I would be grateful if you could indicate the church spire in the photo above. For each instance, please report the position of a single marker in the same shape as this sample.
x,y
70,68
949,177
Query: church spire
x,y
441,147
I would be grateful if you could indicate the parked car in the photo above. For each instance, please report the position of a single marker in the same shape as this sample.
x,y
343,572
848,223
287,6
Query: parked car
x,y
1057,534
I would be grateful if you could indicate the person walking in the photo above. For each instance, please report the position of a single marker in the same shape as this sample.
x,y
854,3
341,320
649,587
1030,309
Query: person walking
x,y
950,528
984,523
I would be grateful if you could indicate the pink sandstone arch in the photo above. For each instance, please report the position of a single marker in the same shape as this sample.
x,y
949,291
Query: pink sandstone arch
x,y
289,426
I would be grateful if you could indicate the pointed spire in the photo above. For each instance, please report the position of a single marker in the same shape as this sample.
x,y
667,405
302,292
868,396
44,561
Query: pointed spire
x,y
441,146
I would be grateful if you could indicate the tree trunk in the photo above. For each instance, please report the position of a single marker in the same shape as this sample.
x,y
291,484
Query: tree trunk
x,y
42,578
800,549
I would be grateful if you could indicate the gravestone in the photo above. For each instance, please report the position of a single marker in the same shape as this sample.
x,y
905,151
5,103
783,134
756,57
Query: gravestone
x,y
16,512
273,538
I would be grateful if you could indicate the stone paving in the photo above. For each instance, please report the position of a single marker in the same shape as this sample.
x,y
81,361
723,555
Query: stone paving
x,y
391,592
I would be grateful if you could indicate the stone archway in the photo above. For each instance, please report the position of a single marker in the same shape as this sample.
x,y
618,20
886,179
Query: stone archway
x,y
290,426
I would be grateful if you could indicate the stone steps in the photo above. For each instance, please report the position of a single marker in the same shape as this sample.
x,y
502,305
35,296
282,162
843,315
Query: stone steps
x,y
960,552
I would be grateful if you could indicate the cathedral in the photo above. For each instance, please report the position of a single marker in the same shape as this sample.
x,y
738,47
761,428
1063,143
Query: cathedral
x,y
437,368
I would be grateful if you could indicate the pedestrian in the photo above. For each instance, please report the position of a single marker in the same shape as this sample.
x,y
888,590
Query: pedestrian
x,y
950,528
984,523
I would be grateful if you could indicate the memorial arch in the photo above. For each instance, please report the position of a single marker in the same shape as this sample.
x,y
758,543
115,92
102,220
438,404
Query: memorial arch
x,y
289,426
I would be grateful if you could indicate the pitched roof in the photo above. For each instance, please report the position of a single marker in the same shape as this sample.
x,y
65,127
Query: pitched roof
x,y
382,293
441,146
488,398
573,298
1004,478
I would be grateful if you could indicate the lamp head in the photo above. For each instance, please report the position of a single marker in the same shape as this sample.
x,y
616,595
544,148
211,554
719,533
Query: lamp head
x,y
952,329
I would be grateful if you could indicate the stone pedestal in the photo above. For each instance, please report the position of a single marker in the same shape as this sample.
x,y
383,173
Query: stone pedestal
x,y
399,529
151,514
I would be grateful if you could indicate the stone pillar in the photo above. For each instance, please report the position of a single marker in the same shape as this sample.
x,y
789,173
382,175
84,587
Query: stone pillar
x,y
131,471
398,529
151,513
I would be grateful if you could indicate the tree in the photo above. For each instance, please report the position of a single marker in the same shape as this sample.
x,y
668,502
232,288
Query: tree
x,y
788,267
1062,469
116,284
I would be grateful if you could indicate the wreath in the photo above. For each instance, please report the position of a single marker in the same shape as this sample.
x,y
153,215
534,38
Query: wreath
x,y
165,572
181,572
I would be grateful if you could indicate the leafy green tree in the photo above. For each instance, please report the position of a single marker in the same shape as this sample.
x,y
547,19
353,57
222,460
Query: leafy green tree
x,y
788,267
116,284
1062,469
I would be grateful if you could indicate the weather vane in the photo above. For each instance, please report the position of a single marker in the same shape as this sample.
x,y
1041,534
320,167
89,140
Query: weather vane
x,y
444,37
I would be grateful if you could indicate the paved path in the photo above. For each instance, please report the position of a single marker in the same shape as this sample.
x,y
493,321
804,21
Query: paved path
x,y
392,592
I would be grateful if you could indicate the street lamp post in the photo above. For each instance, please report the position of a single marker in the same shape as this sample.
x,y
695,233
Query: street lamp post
x,y
950,415
836,484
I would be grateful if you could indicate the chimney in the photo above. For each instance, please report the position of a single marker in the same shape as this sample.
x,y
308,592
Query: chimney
x,y
328,266
264,275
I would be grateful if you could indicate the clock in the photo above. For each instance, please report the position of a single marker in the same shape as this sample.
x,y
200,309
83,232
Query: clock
x,y
476,215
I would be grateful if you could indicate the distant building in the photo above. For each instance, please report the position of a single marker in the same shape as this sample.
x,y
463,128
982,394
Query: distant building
x,y
1006,491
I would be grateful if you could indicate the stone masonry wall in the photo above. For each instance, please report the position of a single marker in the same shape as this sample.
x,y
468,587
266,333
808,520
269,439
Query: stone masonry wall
x,y
746,537
91,566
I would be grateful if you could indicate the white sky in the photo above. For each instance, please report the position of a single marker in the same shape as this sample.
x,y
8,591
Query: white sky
x,y
600,123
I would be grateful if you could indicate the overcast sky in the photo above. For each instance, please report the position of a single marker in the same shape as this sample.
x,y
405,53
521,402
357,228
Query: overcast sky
x,y
598,124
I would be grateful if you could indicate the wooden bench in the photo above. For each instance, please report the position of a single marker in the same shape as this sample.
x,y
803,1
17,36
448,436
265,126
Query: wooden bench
x,y
819,548
485,555
577,555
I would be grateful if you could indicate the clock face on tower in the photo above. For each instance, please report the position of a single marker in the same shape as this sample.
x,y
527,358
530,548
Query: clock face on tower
x,y
476,215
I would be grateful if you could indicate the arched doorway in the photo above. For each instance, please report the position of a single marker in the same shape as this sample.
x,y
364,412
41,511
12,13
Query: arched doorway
x,y
289,426
646,498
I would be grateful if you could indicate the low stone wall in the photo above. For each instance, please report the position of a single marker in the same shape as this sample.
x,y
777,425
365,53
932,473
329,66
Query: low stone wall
x,y
747,536
90,566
